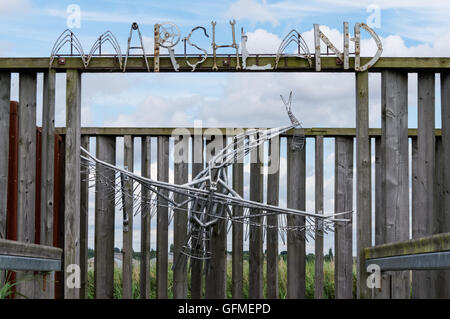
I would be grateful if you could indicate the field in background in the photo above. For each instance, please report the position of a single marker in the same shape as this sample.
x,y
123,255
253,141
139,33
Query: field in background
x,y
282,275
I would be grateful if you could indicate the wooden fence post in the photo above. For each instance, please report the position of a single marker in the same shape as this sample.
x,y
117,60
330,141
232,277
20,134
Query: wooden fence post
x,y
343,202
197,167
104,219
238,235
145,220
215,282
384,291
127,248
363,180
273,193
26,173
84,223
72,179
424,219
445,217
5,87
296,198
256,258
318,266
181,155
162,231
395,164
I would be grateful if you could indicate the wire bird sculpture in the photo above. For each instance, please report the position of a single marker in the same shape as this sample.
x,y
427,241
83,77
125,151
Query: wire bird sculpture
x,y
208,199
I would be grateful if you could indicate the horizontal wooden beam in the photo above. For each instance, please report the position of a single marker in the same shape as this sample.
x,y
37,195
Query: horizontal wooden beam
x,y
225,64
428,261
9,262
169,131
16,248
431,244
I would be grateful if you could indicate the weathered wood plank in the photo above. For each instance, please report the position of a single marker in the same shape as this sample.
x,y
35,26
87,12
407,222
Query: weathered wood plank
x,y
318,196
16,248
444,216
26,172
104,221
395,163
47,170
296,198
424,219
423,245
72,178
168,131
145,220
343,201
197,167
363,180
127,248
5,87
181,156
256,259
288,64
216,268
273,194
84,224
162,231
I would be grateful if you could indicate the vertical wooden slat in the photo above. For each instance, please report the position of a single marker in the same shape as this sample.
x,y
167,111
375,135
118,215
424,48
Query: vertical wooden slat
x,y
444,215
145,221
162,231
296,198
47,169
255,290
127,248
5,87
27,172
181,155
273,191
84,224
72,178
363,180
380,218
197,167
395,163
104,219
343,202
424,219
318,277
215,282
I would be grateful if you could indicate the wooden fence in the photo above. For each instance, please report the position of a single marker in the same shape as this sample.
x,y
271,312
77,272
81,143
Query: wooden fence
x,y
429,196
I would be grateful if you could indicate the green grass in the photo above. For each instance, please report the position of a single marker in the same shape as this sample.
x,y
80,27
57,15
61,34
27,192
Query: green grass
x,y
282,280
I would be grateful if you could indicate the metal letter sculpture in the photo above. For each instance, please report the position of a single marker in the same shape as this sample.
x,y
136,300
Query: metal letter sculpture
x,y
168,37
208,198
302,48
135,27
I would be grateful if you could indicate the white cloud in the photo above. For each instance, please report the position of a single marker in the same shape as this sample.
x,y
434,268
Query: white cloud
x,y
253,11
11,7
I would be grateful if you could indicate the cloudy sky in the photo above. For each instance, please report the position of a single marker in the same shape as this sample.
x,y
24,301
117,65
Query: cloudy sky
x,y
413,28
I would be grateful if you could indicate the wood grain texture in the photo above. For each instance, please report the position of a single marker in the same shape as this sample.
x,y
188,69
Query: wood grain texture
x,y
5,87
145,221
197,167
104,223
72,178
26,172
343,202
127,248
273,193
296,198
162,231
394,126
256,259
363,180
424,219
181,156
